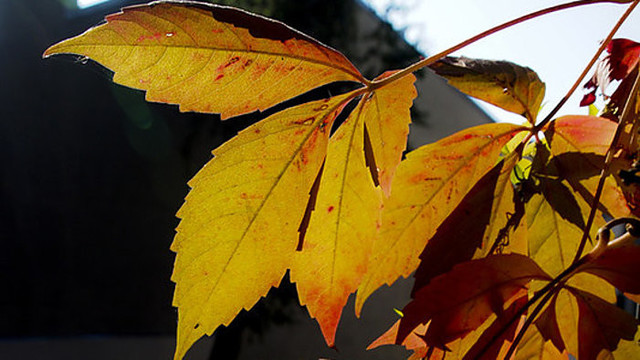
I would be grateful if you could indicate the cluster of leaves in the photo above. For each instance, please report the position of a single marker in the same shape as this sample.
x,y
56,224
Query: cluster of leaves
x,y
493,220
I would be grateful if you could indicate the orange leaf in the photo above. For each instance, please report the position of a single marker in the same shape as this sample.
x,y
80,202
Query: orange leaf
x,y
579,144
341,229
460,300
209,58
223,263
428,185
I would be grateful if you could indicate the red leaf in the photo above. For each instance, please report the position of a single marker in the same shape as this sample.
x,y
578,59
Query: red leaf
x,y
622,57
460,300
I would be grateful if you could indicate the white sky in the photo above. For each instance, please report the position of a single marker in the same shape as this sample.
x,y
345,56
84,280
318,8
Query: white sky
x,y
556,46
82,4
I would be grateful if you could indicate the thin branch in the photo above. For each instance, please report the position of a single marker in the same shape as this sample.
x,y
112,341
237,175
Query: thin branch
x,y
430,60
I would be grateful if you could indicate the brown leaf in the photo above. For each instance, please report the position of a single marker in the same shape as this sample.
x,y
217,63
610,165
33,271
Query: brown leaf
x,y
547,325
501,83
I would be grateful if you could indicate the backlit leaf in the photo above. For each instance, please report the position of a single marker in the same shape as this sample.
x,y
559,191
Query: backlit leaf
x,y
208,58
579,144
386,115
341,231
240,221
460,300
428,185
501,83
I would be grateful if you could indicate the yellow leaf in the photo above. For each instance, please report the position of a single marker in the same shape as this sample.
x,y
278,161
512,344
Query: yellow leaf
x,y
342,227
553,240
240,221
209,58
387,119
427,187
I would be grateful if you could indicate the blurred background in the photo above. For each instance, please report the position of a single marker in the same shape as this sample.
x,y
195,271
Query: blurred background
x,y
92,176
